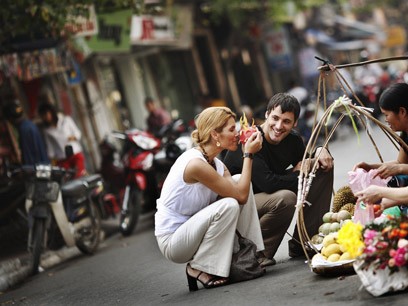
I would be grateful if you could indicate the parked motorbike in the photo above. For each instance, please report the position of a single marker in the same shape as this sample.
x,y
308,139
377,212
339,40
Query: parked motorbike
x,y
141,188
54,204
136,180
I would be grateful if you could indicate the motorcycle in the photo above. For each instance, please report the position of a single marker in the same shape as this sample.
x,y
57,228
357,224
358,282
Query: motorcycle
x,y
55,205
140,186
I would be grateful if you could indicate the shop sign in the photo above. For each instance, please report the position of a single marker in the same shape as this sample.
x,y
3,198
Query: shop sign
x,y
277,50
174,30
396,36
113,33
83,26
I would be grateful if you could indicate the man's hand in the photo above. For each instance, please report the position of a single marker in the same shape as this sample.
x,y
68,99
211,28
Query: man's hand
x,y
325,159
363,165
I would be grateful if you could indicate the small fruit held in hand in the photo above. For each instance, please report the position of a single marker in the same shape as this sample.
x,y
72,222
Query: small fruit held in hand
x,y
376,207
246,131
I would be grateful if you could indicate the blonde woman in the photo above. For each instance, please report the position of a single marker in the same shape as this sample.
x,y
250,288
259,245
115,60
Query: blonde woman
x,y
201,205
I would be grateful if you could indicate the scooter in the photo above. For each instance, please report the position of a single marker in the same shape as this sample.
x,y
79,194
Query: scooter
x,y
141,188
52,203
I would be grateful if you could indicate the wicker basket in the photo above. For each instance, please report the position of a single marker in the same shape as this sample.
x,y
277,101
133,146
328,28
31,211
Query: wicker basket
x,y
344,108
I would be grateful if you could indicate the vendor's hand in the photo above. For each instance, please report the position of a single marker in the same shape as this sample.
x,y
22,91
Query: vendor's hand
x,y
253,144
325,159
387,170
370,195
363,165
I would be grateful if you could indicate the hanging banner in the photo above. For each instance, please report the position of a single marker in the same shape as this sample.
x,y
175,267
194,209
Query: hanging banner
x,y
173,31
83,26
277,49
27,66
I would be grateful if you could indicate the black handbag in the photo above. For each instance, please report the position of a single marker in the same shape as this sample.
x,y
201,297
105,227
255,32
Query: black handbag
x,y
244,263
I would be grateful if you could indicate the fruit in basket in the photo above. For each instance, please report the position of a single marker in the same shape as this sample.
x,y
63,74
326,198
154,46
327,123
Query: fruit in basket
x,y
317,239
349,207
327,217
343,215
329,239
345,256
333,248
324,229
333,217
333,257
343,196
334,227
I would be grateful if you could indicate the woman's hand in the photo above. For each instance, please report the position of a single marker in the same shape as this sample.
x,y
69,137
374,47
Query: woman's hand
x,y
363,165
387,170
253,144
370,195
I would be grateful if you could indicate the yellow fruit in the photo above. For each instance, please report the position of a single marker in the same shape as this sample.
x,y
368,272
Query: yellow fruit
x,y
333,257
345,256
343,248
329,239
319,256
333,248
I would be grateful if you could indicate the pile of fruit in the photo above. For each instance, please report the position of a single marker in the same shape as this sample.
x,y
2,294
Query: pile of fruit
x,y
326,240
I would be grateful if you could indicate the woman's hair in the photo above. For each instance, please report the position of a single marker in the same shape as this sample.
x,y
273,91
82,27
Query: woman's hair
x,y
394,97
211,118
45,107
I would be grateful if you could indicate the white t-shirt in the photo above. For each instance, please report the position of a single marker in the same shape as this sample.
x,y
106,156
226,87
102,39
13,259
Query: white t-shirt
x,y
56,138
180,200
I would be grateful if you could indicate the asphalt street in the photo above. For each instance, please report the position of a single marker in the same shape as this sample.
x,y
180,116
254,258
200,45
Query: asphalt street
x,y
131,271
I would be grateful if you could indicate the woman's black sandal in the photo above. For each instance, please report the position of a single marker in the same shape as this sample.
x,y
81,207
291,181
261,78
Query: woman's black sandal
x,y
211,283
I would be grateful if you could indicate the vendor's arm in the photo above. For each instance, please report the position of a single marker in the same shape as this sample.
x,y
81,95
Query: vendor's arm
x,y
400,166
374,194
198,170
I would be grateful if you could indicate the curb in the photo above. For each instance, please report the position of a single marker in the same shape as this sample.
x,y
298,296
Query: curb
x,y
14,271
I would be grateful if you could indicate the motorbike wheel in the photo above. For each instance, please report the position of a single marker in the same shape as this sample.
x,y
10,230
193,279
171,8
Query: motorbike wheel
x,y
37,243
129,218
87,236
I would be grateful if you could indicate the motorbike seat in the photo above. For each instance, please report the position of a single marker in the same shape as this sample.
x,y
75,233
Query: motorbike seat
x,y
92,180
74,188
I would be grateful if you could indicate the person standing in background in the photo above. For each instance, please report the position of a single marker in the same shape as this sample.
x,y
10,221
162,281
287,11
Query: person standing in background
x,y
30,141
158,117
59,132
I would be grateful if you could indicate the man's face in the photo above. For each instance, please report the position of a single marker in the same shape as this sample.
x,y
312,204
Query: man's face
x,y
278,125
395,121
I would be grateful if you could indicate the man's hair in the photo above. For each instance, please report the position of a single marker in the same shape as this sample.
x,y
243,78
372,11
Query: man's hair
x,y
45,107
287,102
394,97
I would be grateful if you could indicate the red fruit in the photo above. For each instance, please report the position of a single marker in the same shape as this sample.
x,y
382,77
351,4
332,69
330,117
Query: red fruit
x,y
244,134
376,207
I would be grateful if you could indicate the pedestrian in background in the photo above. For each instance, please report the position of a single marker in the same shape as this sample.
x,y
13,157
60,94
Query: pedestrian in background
x,y
158,117
59,132
201,205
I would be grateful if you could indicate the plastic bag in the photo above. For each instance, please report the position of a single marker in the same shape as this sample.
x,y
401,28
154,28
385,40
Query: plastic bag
x,y
361,179
363,213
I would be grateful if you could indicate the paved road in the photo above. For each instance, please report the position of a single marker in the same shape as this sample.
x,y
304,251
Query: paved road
x,y
131,271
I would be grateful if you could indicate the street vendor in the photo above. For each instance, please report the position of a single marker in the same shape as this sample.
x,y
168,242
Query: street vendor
x,y
394,105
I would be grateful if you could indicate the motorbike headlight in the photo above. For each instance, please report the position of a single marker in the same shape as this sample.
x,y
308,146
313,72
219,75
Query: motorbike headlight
x,y
43,171
144,142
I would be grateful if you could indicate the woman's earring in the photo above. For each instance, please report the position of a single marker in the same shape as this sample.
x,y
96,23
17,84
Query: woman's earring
x,y
218,144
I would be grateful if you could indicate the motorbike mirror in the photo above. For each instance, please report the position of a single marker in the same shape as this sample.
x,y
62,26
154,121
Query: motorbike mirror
x,y
69,151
